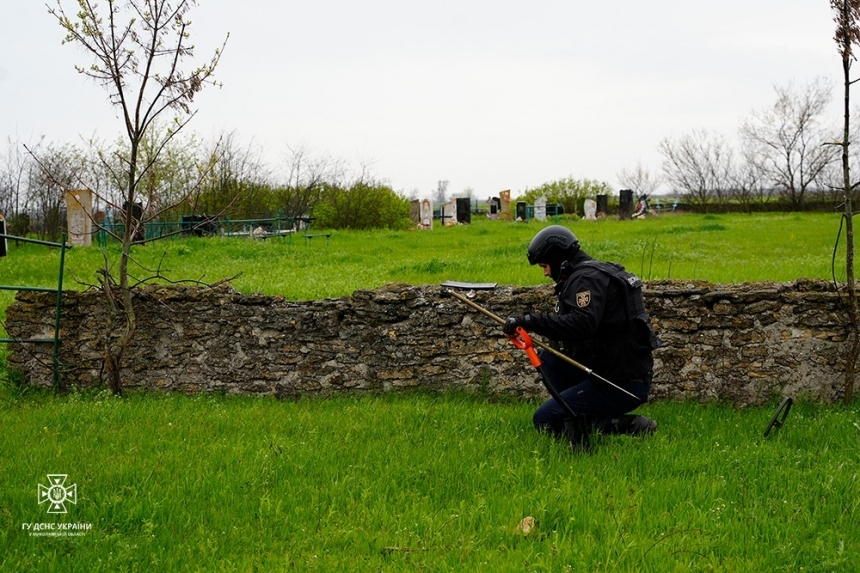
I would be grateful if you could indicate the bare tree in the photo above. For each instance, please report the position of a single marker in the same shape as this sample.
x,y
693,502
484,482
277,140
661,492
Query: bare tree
x,y
15,171
698,164
306,175
831,180
238,183
749,183
467,193
97,177
174,171
847,18
639,179
175,167
790,141
59,168
440,196
139,49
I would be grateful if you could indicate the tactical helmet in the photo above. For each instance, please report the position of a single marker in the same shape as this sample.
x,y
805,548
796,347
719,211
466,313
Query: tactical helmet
x,y
552,245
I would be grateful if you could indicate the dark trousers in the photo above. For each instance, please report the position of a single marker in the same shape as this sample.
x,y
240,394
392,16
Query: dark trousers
x,y
589,398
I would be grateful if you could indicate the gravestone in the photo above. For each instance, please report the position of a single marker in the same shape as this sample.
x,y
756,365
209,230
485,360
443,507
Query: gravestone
x,y
79,207
602,205
590,208
415,211
464,210
3,244
449,213
495,206
505,208
522,211
426,215
540,209
625,204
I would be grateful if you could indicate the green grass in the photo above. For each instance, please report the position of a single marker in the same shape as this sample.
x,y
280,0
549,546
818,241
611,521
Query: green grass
x,y
722,249
415,482
426,482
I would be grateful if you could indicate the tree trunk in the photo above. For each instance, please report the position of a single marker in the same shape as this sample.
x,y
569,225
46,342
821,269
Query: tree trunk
x,y
851,359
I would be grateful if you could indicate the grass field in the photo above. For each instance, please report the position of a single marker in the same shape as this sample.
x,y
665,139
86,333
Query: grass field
x,y
429,482
420,482
725,249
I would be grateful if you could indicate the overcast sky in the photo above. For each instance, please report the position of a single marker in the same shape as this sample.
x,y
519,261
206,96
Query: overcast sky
x,y
489,95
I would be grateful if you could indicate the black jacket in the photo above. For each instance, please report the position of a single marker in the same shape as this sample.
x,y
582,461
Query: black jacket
x,y
600,320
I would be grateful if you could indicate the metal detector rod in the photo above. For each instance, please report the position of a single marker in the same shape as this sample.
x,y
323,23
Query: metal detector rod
x,y
543,346
523,341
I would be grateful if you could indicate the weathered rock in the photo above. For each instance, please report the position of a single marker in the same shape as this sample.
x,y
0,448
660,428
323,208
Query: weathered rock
x,y
742,344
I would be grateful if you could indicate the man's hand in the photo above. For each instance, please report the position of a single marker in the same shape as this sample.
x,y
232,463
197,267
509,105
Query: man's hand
x,y
511,324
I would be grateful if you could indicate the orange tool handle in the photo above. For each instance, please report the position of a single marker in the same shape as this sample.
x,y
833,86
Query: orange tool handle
x,y
523,341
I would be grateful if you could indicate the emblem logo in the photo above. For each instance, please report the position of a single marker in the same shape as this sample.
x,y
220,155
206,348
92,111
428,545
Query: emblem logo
x,y
583,298
56,494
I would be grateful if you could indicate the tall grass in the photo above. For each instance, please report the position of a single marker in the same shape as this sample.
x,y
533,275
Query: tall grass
x,y
413,482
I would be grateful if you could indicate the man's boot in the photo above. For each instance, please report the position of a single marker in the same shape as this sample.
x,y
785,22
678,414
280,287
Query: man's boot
x,y
628,425
578,433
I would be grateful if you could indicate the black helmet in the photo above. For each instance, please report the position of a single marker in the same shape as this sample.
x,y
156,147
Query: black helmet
x,y
552,245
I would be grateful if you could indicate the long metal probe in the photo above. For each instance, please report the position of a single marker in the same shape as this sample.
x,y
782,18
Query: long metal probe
x,y
539,344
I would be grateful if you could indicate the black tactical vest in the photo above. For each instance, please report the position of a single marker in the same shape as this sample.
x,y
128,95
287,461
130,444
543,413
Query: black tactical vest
x,y
642,335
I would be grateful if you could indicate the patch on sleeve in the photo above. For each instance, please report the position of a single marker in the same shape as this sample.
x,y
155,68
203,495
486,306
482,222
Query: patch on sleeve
x,y
583,298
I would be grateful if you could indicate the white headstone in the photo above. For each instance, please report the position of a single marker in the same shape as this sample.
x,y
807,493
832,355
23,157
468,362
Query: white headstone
x,y
449,213
540,209
79,208
425,215
590,210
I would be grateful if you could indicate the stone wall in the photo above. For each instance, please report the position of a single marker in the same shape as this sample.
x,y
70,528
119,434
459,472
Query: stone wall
x,y
743,344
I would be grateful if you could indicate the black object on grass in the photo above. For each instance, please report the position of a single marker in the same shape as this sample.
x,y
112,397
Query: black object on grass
x,y
780,415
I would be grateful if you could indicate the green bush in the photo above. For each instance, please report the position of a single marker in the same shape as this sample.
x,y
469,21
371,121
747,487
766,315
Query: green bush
x,y
569,192
360,206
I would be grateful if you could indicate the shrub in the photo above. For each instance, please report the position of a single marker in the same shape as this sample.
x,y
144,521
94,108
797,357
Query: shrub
x,y
362,205
569,192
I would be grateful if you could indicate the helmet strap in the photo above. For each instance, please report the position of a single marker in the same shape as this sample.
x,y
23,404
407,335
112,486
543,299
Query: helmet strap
x,y
564,270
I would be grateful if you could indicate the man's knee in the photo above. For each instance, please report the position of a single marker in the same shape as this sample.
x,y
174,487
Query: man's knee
x,y
540,421
545,422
